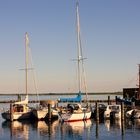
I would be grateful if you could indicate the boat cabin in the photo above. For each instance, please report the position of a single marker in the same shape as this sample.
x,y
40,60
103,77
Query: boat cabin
x,y
73,106
113,108
19,108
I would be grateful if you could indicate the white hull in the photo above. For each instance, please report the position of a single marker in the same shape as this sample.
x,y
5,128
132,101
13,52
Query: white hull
x,y
42,113
115,116
69,117
134,113
129,114
113,111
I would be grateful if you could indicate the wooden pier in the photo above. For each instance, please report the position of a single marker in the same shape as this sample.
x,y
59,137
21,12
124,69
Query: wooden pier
x,y
37,101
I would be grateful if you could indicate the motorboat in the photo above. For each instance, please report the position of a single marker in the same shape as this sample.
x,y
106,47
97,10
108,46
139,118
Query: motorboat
x,y
113,111
133,114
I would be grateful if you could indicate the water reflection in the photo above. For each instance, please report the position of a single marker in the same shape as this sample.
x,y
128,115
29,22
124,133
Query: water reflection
x,y
76,130
46,129
133,124
18,130
90,129
113,125
78,127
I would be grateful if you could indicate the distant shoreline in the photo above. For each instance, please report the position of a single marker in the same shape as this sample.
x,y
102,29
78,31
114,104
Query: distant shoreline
x,y
48,94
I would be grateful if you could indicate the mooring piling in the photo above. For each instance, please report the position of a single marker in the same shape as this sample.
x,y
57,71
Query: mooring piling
x,y
49,112
11,112
97,112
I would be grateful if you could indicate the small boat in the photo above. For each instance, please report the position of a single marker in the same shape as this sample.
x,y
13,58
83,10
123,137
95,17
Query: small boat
x,y
129,114
137,114
41,112
125,101
102,109
75,112
113,112
133,114
20,110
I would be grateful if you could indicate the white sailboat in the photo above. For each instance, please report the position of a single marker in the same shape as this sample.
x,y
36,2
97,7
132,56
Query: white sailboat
x,y
74,111
20,110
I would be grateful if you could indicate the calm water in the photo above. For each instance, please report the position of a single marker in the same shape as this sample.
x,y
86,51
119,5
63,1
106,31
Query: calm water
x,y
89,130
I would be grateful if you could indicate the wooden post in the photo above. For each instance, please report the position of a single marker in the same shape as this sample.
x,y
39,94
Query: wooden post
x,y
49,129
108,100
123,128
49,112
133,105
97,112
97,129
19,97
122,117
122,111
11,112
11,130
116,100
57,104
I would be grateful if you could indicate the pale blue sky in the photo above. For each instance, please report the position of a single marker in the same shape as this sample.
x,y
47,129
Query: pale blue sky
x,y
110,39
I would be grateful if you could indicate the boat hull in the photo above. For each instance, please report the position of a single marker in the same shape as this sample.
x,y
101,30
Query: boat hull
x,y
40,114
112,112
43,114
72,117
16,115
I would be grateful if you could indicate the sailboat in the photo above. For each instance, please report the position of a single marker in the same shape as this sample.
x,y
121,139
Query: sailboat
x,y
75,111
20,110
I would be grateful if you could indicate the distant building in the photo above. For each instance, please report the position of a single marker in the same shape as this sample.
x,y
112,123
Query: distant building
x,y
130,92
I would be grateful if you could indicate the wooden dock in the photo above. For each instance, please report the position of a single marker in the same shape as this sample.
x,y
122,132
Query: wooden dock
x,y
37,101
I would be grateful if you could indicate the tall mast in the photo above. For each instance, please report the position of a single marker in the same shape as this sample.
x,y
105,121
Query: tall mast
x,y
81,72
79,55
26,62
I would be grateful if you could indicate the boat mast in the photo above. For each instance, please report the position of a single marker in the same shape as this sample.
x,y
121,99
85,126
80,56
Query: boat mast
x,y
26,62
78,45
80,58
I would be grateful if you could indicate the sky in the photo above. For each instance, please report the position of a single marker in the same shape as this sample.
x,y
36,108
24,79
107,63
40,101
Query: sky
x,y
110,34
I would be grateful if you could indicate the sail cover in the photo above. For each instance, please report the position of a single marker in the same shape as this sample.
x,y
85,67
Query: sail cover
x,y
76,99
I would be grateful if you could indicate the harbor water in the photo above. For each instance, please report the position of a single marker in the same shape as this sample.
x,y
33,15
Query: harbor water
x,y
55,130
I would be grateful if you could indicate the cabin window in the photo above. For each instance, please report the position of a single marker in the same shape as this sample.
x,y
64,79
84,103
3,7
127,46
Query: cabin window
x,y
19,108
73,106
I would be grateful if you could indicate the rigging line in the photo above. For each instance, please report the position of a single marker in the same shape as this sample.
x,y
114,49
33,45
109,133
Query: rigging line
x,y
34,77
84,80
82,65
18,85
131,81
